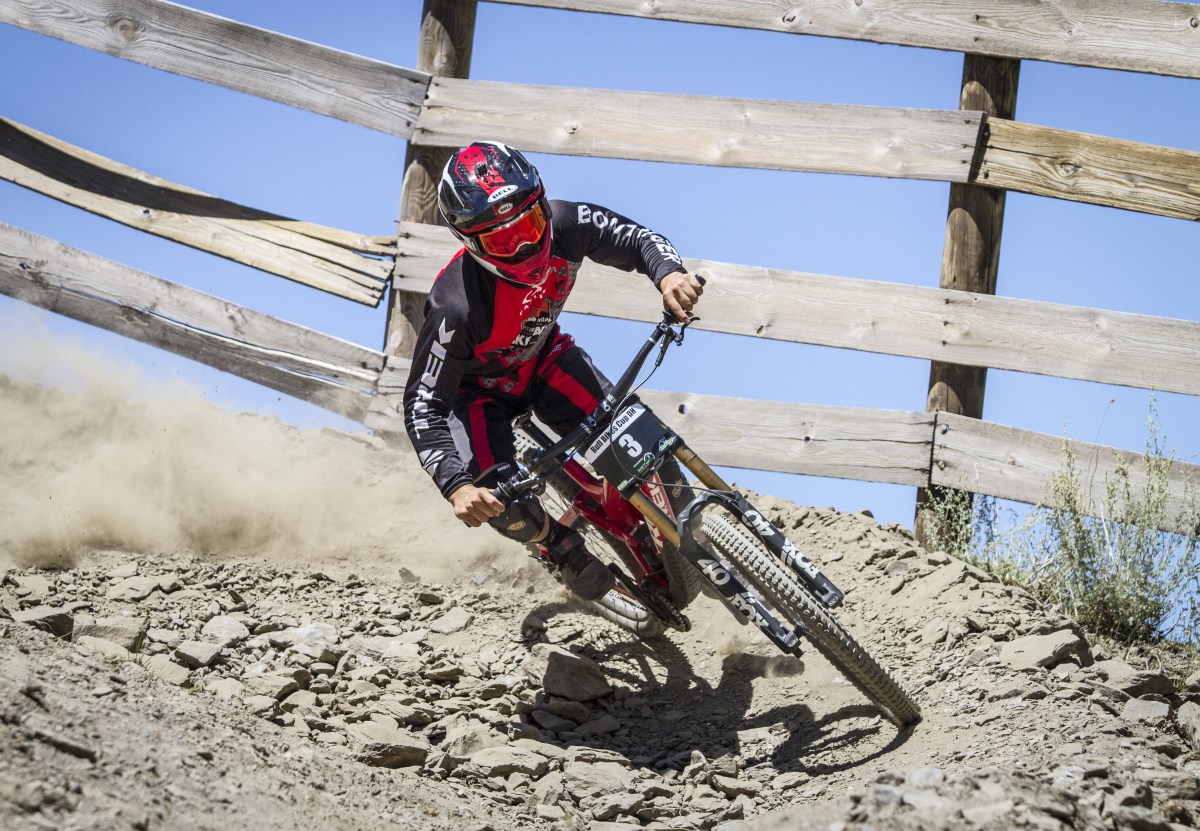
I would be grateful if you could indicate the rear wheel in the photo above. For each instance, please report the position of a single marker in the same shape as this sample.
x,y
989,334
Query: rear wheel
x,y
618,606
790,598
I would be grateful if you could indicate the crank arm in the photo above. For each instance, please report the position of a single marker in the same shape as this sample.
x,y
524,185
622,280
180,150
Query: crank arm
x,y
657,605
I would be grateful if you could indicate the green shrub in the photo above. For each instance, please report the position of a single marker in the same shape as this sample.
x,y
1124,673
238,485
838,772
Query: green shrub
x,y
1116,573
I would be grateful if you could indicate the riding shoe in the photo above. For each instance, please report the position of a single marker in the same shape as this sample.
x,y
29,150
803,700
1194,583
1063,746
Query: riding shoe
x,y
584,575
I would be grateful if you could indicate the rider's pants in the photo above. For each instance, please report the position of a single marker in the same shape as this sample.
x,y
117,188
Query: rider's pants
x,y
564,389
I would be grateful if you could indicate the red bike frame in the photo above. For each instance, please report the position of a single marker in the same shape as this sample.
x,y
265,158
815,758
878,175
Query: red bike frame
x,y
601,504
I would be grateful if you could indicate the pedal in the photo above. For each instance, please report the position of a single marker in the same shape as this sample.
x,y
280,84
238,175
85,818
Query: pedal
x,y
653,600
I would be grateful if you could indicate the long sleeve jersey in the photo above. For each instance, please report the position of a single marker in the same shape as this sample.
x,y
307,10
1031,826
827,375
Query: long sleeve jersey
x,y
485,336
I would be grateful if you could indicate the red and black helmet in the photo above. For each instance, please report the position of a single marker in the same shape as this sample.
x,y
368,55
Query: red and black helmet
x,y
494,201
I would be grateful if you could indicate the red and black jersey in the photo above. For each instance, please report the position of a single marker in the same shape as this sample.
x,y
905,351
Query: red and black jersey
x,y
483,336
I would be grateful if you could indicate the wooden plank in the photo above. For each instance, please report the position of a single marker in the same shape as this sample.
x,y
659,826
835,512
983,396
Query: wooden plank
x,y
209,48
1097,169
315,367
324,258
821,138
1008,463
870,316
955,327
1136,35
879,446
728,132
841,442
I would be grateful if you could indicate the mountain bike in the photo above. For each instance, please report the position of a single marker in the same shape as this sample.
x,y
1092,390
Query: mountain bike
x,y
618,479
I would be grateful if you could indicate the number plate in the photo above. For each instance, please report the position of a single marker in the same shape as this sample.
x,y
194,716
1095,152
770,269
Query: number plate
x,y
632,447
618,427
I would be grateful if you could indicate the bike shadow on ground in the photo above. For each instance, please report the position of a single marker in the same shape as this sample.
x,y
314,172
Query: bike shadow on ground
x,y
674,710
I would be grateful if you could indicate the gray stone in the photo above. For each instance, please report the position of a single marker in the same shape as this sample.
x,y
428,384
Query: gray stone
x,y
576,711
503,761
316,634
1146,710
1137,818
384,647
599,726
552,722
225,630
552,751
992,813
382,745
133,588
789,780
592,755
34,586
169,671
616,805
273,685
455,620
1135,682
935,631
168,637
196,654
1192,684
731,786
464,741
129,569
260,704
300,698
128,632
583,780
1172,785
562,673
1044,650
108,649
226,688
55,620
925,777
1188,719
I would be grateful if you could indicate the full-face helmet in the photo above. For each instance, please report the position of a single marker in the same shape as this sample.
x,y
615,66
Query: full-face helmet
x,y
494,202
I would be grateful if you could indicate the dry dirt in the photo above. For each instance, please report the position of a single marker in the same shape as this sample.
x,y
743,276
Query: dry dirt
x,y
219,621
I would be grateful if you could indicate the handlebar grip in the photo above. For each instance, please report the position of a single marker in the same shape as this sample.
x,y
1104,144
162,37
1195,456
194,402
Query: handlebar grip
x,y
501,492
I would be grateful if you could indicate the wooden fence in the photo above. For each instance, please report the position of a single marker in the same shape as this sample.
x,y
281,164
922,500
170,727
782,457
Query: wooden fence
x,y
973,149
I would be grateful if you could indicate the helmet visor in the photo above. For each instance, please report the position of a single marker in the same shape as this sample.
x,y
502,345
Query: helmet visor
x,y
507,240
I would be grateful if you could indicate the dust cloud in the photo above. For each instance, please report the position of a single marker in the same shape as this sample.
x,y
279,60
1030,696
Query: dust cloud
x,y
95,455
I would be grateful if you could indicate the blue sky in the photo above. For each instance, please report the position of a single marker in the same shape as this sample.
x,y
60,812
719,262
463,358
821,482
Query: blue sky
x,y
273,157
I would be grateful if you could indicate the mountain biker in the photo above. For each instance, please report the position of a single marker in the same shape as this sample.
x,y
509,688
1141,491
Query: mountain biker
x,y
491,348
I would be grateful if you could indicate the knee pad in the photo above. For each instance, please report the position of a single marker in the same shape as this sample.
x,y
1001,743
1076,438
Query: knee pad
x,y
523,520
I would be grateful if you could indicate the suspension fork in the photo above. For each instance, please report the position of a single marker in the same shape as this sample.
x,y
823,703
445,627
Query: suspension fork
x,y
740,599
655,515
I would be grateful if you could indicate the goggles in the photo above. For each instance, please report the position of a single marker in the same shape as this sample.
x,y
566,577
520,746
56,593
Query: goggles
x,y
505,241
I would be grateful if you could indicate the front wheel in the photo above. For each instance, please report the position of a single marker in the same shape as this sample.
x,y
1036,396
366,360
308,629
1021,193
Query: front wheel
x,y
781,588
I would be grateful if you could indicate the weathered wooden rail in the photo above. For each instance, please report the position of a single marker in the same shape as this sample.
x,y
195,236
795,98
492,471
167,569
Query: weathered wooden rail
x,y
751,133
968,148
904,448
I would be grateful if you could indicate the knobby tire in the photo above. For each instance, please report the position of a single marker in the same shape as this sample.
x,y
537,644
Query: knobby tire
x,y
784,590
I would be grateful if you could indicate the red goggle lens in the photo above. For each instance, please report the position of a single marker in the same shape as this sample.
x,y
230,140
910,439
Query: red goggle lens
x,y
508,239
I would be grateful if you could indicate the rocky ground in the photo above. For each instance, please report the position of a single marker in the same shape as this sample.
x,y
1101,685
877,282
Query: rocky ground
x,y
413,678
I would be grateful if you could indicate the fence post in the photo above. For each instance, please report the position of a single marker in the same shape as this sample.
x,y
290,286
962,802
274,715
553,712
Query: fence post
x,y
971,254
447,31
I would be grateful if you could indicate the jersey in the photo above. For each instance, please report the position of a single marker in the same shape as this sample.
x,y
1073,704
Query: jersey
x,y
483,336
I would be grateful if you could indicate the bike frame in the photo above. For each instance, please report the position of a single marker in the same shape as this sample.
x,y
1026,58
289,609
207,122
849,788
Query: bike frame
x,y
618,504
